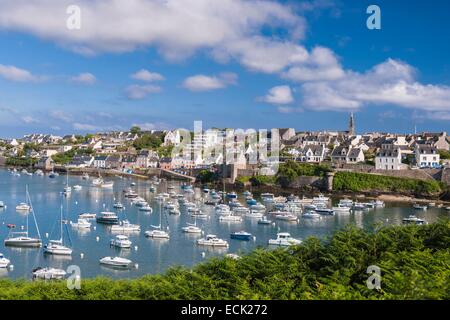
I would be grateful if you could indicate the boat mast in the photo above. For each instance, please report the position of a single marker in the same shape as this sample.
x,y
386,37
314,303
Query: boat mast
x,y
61,224
29,202
34,217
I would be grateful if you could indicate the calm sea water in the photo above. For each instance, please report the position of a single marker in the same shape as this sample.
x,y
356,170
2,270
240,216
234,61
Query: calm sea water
x,y
152,256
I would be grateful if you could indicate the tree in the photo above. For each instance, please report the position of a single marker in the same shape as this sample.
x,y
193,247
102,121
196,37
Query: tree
x,y
135,130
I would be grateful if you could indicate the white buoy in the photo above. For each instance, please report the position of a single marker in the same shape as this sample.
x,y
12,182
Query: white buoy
x,y
135,248
95,227
136,265
22,227
46,234
104,205
81,255
11,267
76,202
96,200
203,254
97,238
254,238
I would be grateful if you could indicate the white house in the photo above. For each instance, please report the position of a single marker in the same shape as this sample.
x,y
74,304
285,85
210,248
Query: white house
x,y
100,162
355,155
389,159
427,156
172,138
312,153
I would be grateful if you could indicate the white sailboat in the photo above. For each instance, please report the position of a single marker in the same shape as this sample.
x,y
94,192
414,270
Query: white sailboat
x,y
22,239
4,263
67,188
157,231
57,247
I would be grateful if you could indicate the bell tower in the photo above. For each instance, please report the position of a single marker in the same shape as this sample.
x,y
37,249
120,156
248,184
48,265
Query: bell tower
x,y
351,125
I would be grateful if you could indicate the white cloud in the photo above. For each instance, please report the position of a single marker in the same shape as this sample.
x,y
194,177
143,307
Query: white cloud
x,y
13,73
84,78
391,82
148,126
29,119
176,28
61,115
279,95
137,92
321,64
202,82
145,75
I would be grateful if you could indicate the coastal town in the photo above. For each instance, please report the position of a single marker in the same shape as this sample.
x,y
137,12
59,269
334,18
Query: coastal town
x,y
423,155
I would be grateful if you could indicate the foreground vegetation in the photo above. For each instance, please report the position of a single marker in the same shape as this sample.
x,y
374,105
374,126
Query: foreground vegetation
x,y
414,261
351,181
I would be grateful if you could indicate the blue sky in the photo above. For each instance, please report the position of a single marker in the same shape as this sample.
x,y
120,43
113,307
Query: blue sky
x,y
241,64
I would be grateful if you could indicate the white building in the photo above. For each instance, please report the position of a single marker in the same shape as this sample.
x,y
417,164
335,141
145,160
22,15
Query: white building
x,y
100,162
427,156
389,159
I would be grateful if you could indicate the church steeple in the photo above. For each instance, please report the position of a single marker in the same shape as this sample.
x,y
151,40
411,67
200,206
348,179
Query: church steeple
x,y
351,125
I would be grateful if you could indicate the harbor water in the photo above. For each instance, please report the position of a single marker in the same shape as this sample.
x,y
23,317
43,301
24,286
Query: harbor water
x,y
149,255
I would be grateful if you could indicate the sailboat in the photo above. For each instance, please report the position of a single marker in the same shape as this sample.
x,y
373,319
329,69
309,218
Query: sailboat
x,y
192,227
158,232
22,239
67,188
57,247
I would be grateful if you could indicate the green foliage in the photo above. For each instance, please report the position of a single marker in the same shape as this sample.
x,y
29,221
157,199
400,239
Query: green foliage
x,y
352,181
135,130
290,170
66,157
262,180
445,154
206,176
147,141
21,161
414,262
165,151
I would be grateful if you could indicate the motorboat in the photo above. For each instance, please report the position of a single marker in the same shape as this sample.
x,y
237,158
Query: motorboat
x,y
157,233
53,174
118,205
311,215
420,207
341,209
48,274
212,241
2,204
39,173
152,189
191,228
121,241
325,211
85,176
286,216
23,207
125,226
345,203
284,239
358,206
258,206
4,263
232,195
321,198
87,216
246,193
146,208
241,210
107,218
254,214
264,221
412,219
81,224
251,201
116,262
241,235
77,187
230,218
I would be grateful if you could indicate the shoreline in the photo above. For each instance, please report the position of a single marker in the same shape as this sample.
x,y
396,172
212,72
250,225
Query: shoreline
x,y
277,190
